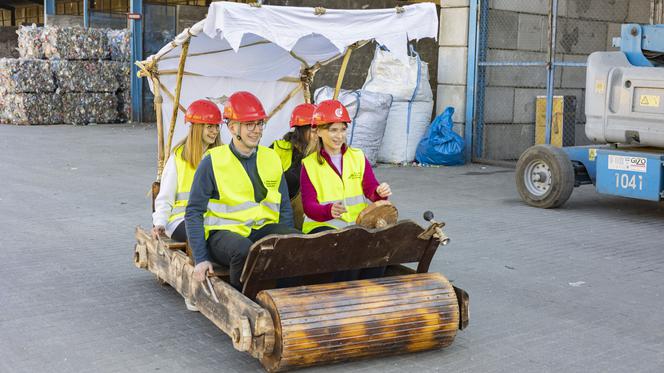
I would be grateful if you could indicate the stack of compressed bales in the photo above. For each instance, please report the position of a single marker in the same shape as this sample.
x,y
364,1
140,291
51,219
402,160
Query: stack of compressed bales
x,y
28,92
30,42
88,90
84,79
75,43
119,43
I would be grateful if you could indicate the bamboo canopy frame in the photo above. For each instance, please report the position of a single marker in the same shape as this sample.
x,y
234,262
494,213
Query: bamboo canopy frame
x,y
212,50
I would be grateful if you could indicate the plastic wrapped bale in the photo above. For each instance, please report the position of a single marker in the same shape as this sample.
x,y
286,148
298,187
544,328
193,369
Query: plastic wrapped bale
x,y
75,43
86,108
31,108
368,111
123,74
124,106
30,42
119,42
26,75
86,76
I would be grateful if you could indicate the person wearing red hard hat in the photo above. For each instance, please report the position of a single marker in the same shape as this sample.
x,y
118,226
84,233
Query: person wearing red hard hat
x,y
239,194
204,118
168,218
291,149
336,180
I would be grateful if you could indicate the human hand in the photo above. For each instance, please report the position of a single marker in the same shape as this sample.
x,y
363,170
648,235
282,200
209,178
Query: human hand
x,y
201,269
338,209
384,190
157,231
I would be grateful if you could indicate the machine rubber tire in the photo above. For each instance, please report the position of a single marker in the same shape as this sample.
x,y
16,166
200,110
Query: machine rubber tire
x,y
552,162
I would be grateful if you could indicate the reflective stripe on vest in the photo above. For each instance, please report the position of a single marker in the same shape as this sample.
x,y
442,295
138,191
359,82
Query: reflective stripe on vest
x,y
284,150
185,179
236,210
331,188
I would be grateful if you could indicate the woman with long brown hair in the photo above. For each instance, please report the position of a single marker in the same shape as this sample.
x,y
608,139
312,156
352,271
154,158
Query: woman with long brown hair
x,y
291,149
337,181
204,118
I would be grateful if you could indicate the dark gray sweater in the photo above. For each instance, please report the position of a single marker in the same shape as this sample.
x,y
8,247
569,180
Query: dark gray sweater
x,y
204,188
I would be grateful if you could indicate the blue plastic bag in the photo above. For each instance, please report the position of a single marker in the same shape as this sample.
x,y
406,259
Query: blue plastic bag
x,y
441,145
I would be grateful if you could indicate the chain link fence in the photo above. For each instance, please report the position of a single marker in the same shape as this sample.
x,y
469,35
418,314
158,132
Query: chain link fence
x,y
533,52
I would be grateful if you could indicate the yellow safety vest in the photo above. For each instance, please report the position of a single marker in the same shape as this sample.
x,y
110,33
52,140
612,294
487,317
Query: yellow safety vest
x,y
185,179
331,188
236,210
285,151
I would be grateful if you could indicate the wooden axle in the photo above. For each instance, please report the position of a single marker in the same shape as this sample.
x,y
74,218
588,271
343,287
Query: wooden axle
x,y
329,323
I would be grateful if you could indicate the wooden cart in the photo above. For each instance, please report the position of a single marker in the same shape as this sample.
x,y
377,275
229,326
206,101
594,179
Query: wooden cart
x,y
320,321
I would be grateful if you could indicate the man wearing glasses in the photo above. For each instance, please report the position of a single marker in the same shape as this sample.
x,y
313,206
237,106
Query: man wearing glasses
x,y
239,194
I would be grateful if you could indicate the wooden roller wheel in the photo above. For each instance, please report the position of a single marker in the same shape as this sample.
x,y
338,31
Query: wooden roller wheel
x,y
330,323
379,214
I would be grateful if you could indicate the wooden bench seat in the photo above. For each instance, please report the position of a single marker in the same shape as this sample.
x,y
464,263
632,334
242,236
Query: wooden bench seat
x,y
288,256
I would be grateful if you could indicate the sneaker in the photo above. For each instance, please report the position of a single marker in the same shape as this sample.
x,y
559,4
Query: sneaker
x,y
190,306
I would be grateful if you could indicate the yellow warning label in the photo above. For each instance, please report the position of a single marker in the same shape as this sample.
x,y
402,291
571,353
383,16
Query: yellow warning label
x,y
592,154
649,100
599,86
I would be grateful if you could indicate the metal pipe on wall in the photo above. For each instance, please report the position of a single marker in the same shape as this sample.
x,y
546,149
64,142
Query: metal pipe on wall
x,y
470,78
86,13
551,67
136,6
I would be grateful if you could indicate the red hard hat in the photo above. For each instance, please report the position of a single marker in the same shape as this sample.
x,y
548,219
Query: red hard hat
x,y
203,111
244,107
330,111
301,115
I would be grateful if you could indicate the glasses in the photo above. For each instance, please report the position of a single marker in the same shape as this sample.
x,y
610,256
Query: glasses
x,y
251,126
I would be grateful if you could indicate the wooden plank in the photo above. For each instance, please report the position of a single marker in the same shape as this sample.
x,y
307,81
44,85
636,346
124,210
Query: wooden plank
x,y
276,257
176,269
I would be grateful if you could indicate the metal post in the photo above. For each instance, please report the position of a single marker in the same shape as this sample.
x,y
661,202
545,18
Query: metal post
x,y
551,68
482,47
470,78
86,13
49,9
136,6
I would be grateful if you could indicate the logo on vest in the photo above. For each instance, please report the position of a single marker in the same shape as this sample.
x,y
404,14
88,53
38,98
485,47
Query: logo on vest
x,y
270,183
355,175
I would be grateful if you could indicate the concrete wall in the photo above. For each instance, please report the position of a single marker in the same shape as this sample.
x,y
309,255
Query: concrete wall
x,y
188,15
8,42
517,31
452,60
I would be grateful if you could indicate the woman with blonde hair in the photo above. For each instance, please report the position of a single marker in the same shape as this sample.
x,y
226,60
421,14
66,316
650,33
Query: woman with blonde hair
x,y
204,118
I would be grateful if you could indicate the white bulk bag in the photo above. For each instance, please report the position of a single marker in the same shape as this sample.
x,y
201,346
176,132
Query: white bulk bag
x,y
401,134
368,111
404,81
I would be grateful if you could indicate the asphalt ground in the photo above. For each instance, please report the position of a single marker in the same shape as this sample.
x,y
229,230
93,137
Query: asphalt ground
x,y
575,289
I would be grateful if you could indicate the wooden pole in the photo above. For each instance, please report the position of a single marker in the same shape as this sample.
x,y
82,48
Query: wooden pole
x,y
176,100
342,72
158,100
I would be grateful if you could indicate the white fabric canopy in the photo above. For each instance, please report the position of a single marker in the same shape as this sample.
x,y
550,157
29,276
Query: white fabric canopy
x,y
263,50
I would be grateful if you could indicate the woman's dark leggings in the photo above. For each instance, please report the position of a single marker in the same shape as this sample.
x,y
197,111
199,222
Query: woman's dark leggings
x,y
180,233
